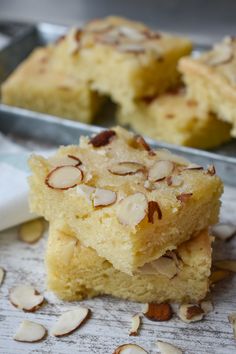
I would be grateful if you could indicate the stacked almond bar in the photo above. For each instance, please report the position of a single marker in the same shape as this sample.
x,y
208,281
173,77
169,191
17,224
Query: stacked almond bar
x,y
125,220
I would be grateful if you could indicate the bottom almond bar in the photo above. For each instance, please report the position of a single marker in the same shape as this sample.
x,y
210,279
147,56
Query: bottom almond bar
x,y
76,272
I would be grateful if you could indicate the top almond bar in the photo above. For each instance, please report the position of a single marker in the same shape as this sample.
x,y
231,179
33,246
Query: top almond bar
x,y
129,203
211,80
124,59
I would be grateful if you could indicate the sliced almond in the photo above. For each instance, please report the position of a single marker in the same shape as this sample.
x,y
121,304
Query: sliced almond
x,y
141,142
103,197
193,167
2,275
158,312
211,170
224,232
232,320
153,207
206,306
133,48
160,170
30,332
103,138
69,321
31,231
167,348
130,349
73,40
165,266
135,324
223,53
26,298
68,160
190,313
174,181
150,186
164,154
132,209
226,265
85,191
218,275
126,168
184,197
131,33
64,177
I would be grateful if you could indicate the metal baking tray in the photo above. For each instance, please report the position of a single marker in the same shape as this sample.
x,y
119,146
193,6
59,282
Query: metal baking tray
x,y
48,131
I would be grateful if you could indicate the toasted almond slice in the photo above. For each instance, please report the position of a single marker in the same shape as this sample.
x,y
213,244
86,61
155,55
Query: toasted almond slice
x,y
133,48
26,298
226,265
193,167
218,275
160,170
165,266
103,138
30,332
211,170
2,275
190,313
174,181
130,349
64,177
69,321
224,231
167,348
222,54
126,168
232,320
131,33
135,324
103,197
184,197
141,142
153,207
31,231
132,209
68,160
206,306
85,191
158,312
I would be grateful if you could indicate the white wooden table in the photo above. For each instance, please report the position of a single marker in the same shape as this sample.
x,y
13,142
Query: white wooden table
x,y
110,322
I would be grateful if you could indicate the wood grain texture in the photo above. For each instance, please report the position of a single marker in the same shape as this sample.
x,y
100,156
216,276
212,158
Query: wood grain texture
x,y
110,322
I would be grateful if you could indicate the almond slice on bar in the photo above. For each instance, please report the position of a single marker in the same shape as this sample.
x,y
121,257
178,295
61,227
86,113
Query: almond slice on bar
x,y
153,208
229,265
64,177
160,170
193,167
222,54
69,321
190,313
211,170
131,33
30,332
103,197
130,349
224,231
126,168
174,181
184,197
218,275
26,298
232,320
2,275
141,142
165,266
85,191
134,48
68,160
164,154
31,231
158,312
132,209
167,348
135,324
103,138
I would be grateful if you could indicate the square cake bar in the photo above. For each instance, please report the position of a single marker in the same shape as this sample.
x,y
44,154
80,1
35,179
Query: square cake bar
x,y
129,203
39,86
173,118
75,272
211,80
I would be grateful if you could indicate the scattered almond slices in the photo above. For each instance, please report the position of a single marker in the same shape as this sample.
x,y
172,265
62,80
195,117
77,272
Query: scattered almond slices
x,y
69,321
104,197
26,298
158,312
132,209
130,349
222,54
135,325
167,348
224,231
103,138
126,168
64,177
68,160
218,275
30,332
232,320
190,313
2,275
153,208
31,231
160,170
229,265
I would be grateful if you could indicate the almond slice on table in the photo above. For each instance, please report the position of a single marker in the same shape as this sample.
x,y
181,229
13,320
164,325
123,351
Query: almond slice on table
x,y
167,348
2,275
229,265
232,320
103,138
26,298
206,306
130,349
190,313
132,209
103,197
30,332
68,160
31,231
135,324
153,207
126,168
69,321
158,312
160,170
64,177
218,275
224,231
